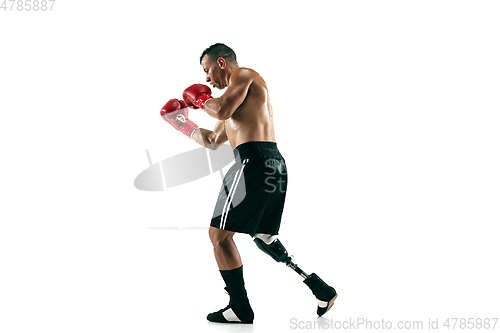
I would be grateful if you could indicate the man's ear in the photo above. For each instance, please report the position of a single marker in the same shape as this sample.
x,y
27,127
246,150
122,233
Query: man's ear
x,y
221,62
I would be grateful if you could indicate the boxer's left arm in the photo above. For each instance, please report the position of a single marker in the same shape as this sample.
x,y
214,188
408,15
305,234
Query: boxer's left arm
x,y
223,107
211,139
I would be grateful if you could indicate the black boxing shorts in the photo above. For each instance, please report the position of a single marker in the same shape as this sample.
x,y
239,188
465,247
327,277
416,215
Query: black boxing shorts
x,y
252,195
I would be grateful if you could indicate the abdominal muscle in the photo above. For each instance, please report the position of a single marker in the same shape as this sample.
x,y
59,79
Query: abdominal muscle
x,y
239,132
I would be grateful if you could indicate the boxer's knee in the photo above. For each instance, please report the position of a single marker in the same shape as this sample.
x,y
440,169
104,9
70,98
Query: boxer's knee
x,y
219,237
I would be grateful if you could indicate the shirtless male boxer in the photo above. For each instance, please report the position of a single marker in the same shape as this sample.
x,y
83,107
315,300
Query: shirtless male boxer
x,y
259,175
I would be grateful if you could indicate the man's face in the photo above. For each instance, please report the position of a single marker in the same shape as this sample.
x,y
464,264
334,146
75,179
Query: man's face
x,y
213,72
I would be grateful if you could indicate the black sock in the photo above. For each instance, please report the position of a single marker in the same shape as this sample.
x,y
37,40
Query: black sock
x,y
234,280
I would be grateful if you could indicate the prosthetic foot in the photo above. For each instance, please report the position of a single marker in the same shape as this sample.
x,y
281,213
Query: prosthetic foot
x,y
325,294
238,311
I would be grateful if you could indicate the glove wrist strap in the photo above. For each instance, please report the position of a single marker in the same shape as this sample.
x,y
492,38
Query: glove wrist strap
x,y
202,99
188,128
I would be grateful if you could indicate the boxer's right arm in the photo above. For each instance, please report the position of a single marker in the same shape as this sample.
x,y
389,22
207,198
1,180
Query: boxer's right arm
x,y
211,139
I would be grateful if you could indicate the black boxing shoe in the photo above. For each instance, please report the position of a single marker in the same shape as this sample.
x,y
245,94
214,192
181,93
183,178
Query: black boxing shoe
x,y
238,311
325,294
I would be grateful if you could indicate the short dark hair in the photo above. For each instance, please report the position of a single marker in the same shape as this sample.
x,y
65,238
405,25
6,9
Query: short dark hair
x,y
219,50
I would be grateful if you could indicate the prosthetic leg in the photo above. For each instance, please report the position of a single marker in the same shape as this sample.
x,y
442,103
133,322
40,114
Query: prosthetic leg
x,y
324,293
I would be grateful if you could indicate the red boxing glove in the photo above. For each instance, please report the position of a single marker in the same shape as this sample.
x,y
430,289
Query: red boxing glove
x,y
175,112
197,95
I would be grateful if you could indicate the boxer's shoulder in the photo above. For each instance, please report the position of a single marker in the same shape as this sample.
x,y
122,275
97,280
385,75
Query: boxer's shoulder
x,y
244,74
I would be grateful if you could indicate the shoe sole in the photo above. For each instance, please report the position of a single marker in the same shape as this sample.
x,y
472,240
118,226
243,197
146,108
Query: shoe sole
x,y
330,304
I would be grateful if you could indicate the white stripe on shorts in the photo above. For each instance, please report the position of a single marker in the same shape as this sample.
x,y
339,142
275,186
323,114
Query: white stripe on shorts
x,y
227,204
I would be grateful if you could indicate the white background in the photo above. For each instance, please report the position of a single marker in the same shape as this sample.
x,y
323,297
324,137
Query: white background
x,y
387,113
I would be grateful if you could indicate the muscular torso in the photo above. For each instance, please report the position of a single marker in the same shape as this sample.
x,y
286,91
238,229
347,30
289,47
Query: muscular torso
x,y
253,119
